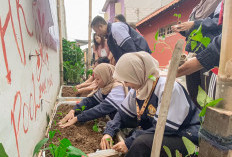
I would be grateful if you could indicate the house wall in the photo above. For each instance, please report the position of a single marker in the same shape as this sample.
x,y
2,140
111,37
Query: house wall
x,y
28,87
137,9
162,53
133,10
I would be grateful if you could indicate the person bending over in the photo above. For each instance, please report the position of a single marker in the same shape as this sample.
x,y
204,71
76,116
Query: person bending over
x,y
140,109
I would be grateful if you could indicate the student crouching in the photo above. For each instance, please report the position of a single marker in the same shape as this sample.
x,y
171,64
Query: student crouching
x,y
140,109
102,101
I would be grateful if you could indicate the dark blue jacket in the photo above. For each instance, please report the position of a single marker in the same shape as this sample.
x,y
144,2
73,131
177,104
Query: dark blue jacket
x,y
210,28
100,105
182,117
121,39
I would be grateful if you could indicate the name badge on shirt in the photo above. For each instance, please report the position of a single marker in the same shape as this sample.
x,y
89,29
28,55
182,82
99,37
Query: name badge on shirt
x,y
151,110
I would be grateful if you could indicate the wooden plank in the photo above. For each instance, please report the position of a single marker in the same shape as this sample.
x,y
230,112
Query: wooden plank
x,y
165,102
224,83
104,153
218,122
208,150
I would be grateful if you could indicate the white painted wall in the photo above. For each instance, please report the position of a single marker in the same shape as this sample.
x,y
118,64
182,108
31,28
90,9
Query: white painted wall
x,y
136,10
28,88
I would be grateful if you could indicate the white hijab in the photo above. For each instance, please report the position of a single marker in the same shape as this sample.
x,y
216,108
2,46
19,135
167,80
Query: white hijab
x,y
135,68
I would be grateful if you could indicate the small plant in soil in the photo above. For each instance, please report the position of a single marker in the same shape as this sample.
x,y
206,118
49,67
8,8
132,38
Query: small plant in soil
x,y
74,89
161,41
178,17
63,149
95,126
82,108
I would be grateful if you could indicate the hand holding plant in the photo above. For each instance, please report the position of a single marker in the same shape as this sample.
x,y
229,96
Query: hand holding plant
x,y
106,142
183,26
68,117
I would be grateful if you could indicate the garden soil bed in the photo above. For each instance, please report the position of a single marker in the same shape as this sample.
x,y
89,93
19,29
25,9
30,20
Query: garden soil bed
x,y
80,135
69,92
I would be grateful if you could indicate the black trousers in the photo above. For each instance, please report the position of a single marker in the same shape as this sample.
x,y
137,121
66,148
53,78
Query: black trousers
x,y
141,147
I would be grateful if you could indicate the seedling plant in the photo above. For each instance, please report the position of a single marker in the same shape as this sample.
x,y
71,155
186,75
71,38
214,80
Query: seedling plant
x,y
63,149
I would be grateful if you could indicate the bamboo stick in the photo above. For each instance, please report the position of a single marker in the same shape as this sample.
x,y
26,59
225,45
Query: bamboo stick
x,y
165,102
60,41
224,83
89,38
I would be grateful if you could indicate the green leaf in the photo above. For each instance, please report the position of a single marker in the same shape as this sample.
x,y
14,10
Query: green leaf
x,y
205,41
178,154
52,134
189,145
83,108
39,145
74,89
193,45
199,30
179,15
163,36
75,151
60,113
167,150
211,104
193,32
2,151
197,37
155,46
65,143
202,97
95,128
152,77
110,140
53,149
175,15
156,35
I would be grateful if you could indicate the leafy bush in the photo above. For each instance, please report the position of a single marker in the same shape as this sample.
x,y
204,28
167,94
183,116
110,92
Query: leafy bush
x,y
73,62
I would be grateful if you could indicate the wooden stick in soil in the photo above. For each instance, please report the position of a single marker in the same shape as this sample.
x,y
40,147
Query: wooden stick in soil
x,y
89,38
224,82
165,102
60,41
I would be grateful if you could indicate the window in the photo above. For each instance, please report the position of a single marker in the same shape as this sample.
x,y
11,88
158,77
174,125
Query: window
x,y
165,31
162,32
169,30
